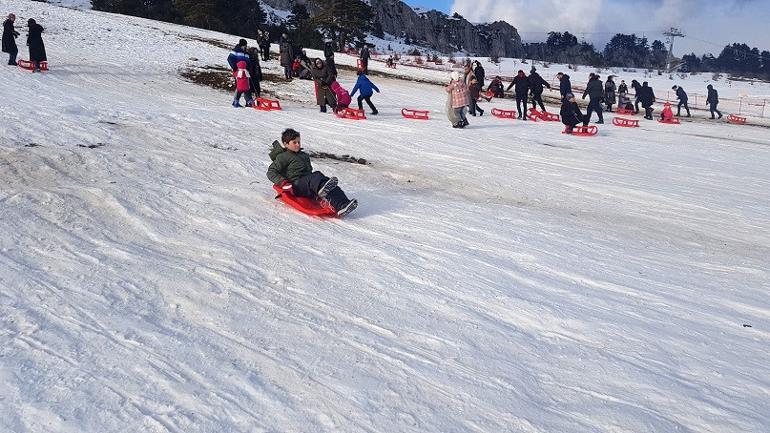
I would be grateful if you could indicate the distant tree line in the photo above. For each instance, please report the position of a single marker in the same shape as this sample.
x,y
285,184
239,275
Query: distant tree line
x,y
634,52
735,59
622,50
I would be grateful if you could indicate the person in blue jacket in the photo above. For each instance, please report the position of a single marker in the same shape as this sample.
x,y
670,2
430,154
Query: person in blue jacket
x,y
366,87
238,54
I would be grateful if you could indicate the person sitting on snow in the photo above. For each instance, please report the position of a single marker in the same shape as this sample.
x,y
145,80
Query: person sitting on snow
x,y
343,97
292,170
570,113
242,85
667,114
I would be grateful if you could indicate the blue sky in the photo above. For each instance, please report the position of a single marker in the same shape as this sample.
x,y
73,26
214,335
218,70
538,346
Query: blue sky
x,y
708,24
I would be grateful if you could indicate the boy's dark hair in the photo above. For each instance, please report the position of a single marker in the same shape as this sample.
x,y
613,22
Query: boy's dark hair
x,y
288,135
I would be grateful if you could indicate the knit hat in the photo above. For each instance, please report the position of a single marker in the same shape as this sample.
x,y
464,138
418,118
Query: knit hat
x,y
243,42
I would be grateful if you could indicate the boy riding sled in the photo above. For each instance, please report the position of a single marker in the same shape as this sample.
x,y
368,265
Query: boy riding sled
x,y
292,171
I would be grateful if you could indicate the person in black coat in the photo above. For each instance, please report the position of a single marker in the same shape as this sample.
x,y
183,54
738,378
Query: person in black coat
x,y
570,112
35,43
646,97
637,93
520,84
255,70
9,39
329,55
595,92
536,85
480,74
682,96
713,100
565,86
365,59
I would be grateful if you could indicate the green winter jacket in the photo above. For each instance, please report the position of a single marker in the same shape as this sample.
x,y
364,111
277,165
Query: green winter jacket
x,y
287,165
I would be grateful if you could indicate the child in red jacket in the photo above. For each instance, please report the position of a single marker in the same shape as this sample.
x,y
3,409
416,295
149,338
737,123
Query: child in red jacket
x,y
242,85
343,97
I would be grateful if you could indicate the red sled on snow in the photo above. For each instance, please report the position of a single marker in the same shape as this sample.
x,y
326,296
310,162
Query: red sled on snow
x,y
264,104
671,121
543,115
30,66
737,120
582,131
305,205
625,123
415,114
624,111
503,114
350,113
490,94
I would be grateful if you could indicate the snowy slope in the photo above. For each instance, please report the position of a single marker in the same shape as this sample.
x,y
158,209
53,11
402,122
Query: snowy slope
x,y
501,278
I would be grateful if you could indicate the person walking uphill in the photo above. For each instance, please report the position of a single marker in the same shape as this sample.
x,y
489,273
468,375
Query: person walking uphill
x,y
637,94
681,95
35,43
323,79
292,170
536,85
9,39
242,85
520,84
458,99
474,91
367,89
713,100
595,92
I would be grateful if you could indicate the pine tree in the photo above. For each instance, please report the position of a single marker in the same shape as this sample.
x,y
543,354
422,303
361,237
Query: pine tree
x,y
345,21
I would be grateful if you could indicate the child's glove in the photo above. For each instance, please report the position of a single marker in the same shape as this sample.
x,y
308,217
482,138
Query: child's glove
x,y
286,186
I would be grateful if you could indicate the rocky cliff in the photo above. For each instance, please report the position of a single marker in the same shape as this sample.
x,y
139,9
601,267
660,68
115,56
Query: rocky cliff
x,y
437,30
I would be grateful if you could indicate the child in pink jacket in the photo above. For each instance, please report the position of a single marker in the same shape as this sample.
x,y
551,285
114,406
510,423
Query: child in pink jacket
x,y
242,85
343,97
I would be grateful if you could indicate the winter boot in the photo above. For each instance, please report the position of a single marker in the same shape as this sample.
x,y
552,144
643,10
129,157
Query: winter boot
x,y
327,187
349,207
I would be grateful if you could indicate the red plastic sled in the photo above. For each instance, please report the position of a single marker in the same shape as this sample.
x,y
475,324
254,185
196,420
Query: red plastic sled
x,y
305,205
737,120
490,94
625,123
264,104
671,121
350,113
624,111
503,114
543,115
415,114
583,131
26,64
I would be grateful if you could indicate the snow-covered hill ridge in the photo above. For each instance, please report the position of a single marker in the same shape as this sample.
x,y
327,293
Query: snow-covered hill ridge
x,y
501,278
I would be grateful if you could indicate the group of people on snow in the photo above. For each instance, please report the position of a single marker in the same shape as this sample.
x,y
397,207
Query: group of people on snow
x,y
244,62
34,42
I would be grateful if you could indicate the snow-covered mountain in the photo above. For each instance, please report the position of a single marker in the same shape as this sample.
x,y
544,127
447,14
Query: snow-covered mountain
x,y
501,278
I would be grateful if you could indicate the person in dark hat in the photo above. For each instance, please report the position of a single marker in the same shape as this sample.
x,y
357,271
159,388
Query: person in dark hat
x,y
36,45
9,39
681,95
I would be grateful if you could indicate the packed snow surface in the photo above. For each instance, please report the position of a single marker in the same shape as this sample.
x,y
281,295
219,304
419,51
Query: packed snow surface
x,y
500,278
